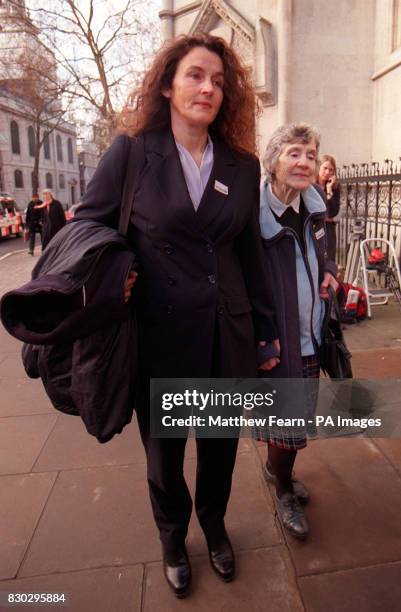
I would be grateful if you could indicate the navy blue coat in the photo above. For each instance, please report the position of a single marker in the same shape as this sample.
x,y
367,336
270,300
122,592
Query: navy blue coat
x,y
280,260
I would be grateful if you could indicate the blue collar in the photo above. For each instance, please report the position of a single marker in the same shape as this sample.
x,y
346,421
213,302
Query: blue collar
x,y
269,226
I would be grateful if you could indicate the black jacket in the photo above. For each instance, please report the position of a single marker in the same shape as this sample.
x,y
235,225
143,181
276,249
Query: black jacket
x,y
34,216
201,294
73,310
53,219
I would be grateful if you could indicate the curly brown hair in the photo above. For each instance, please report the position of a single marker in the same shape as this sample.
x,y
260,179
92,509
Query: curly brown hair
x,y
150,109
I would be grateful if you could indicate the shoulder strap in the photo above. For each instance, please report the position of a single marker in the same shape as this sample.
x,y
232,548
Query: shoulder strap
x,y
135,165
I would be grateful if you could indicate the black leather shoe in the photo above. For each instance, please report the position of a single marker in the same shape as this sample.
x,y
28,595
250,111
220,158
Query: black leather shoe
x,y
299,489
177,570
292,516
221,556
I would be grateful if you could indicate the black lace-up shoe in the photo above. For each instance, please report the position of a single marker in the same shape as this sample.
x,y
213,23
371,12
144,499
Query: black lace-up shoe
x,y
292,516
221,556
177,570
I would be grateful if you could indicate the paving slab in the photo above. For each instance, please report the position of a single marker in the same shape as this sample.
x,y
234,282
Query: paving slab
x,y
20,395
264,582
9,345
354,508
21,440
101,516
96,517
367,589
391,448
383,330
71,447
377,363
22,501
113,589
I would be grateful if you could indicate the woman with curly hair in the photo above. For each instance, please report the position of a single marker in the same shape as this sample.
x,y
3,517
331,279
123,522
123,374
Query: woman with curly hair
x,y
201,306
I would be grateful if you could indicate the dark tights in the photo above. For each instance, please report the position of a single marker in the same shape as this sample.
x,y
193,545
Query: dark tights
x,y
281,462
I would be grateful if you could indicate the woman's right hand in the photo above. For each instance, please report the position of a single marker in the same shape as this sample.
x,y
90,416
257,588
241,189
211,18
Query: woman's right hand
x,y
330,184
129,283
271,363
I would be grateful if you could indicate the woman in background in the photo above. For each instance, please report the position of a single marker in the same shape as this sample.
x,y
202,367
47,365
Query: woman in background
x,y
53,217
327,180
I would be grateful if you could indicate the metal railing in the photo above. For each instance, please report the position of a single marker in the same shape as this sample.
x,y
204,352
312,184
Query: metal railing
x,y
371,192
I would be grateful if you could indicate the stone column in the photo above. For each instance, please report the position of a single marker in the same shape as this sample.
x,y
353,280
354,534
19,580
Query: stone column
x,y
166,20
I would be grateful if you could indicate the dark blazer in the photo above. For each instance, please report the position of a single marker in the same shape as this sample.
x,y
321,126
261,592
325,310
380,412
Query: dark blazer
x,y
201,298
34,216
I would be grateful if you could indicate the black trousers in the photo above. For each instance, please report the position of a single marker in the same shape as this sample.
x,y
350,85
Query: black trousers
x,y
169,494
32,236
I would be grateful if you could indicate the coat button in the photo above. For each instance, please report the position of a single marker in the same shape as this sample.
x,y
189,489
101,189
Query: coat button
x,y
171,280
170,309
209,248
168,249
212,279
220,310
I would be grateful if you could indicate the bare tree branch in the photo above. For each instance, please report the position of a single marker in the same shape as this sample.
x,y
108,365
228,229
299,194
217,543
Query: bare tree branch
x,y
101,49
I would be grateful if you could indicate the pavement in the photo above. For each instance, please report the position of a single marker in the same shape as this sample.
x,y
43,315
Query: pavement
x,y
75,516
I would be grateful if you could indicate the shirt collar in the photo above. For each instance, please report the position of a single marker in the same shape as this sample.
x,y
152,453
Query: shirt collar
x,y
207,153
277,205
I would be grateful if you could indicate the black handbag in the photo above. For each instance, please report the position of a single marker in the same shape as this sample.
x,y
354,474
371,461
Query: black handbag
x,y
335,358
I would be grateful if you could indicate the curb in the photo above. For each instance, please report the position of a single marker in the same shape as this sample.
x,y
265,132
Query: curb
x,y
12,253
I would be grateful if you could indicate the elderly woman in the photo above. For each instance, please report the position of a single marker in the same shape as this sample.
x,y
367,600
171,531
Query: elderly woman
x,y
292,219
327,180
201,305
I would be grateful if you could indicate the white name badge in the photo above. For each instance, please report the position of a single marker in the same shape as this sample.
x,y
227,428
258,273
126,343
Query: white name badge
x,y
220,187
320,234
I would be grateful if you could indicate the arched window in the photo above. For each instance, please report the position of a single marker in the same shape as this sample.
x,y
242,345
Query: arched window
x,y
59,148
46,146
15,145
18,179
70,154
61,181
31,141
49,180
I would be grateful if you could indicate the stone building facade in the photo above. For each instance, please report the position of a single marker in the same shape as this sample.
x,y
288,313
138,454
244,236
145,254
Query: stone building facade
x,y
88,157
336,65
58,168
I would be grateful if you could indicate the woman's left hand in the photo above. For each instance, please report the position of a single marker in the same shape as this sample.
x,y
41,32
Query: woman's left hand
x,y
328,280
271,363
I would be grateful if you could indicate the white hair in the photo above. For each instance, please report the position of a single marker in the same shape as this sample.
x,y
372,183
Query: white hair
x,y
287,134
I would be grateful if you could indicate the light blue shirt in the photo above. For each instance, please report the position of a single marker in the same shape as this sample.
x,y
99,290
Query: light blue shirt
x,y
196,177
